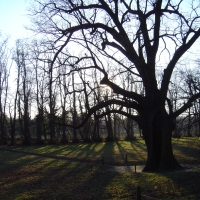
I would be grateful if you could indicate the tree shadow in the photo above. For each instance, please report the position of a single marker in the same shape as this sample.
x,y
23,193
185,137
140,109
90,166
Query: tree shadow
x,y
49,178
41,177
188,183
187,154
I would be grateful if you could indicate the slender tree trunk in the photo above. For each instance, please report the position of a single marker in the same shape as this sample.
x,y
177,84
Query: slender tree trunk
x,y
51,107
109,126
115,126
96,132
13,119
52,128
25,117
74,111
3,104
64,138
39,120
129,127
198,119
189,123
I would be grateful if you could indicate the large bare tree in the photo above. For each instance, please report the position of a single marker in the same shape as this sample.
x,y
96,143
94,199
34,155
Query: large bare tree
x,y
127,38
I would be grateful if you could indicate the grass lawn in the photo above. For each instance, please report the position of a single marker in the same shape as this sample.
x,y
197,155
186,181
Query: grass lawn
x,y
64,172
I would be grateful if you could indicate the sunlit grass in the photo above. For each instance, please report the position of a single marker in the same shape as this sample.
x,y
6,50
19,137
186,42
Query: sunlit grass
x,y
114,151
185,149
32,176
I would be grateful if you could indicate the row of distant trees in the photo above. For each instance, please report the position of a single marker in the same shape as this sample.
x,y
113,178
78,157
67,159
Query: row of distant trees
x,y
40,105
40,102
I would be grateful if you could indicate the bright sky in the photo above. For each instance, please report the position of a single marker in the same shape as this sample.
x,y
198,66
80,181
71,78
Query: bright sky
x,y
13,17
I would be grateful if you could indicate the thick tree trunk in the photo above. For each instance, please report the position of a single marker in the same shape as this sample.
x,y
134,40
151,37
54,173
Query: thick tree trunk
x,y
157,134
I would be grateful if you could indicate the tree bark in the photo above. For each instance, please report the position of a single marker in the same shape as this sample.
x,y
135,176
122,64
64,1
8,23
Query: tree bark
x,y
52,128
74,117
39,125
96,132
157,135
108,121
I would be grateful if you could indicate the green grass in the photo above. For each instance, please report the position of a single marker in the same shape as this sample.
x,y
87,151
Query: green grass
x,y
111,151
39,174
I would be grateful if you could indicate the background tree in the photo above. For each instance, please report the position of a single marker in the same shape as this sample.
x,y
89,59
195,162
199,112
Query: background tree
x,y
12,109
133,38
63,86
191,116
38,64
25,88
4,75
96,99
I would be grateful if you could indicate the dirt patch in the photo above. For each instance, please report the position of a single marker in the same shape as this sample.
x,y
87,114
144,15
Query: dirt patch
x,y
139,168
123,169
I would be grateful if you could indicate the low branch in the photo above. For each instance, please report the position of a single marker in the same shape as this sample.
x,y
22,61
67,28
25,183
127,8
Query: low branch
x,y
134,117
187,105
118,90
101,105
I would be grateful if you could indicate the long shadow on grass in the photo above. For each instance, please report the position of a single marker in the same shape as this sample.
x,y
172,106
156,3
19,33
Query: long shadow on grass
x,y
187,154
59,179
15,168
85,151
43,149
140,151
71,149
105,152
188,184
48,155
38,177
11,159
123,151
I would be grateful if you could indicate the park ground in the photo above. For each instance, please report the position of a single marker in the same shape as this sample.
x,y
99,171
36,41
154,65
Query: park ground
x,y
86,171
